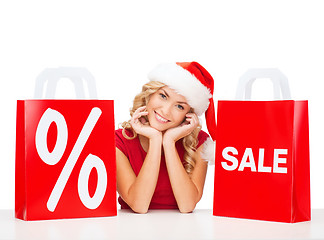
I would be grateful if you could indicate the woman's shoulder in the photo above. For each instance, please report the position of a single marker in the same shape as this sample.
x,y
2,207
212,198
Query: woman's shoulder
x,y
125,144
119,133
121,139
202,137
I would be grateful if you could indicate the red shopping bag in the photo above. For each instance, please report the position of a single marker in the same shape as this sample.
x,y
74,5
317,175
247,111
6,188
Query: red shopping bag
x,y
262,157
65,159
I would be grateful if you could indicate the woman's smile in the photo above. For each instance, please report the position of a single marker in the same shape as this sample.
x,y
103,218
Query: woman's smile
x,y
160,119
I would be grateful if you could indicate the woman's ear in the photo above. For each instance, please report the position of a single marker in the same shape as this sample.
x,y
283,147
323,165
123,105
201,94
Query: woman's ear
x,y
147,99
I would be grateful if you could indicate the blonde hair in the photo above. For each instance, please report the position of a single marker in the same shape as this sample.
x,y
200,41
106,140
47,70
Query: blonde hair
x,y
189,142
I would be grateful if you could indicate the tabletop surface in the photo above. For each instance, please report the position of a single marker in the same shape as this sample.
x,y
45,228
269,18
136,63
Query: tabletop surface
x,y
160,224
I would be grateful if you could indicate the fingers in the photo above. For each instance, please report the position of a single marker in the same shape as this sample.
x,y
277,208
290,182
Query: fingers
x,y
192,119
137,121
140,124
139,115
140,109
140,112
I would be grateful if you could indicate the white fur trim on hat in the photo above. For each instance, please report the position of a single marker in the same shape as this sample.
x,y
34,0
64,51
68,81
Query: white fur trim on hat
x,y
208,152
184,83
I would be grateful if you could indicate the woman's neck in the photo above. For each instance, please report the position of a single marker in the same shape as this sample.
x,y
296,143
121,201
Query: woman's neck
x,y
145,143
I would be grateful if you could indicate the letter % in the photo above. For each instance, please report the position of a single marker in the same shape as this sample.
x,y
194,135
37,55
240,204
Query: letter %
x,y
55,156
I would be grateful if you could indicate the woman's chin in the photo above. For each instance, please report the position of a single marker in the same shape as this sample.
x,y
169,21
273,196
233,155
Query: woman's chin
x,y
159,127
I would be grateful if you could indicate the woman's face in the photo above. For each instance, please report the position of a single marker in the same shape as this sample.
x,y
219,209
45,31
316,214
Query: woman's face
x,y
166,109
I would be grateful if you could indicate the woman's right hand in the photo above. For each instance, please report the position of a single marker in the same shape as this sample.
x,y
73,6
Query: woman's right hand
x,y
141,125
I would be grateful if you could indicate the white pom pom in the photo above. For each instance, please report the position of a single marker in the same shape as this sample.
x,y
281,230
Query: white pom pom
x,y
208,152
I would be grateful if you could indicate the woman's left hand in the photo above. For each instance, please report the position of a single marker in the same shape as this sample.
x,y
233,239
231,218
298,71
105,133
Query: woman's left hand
x,y
183,130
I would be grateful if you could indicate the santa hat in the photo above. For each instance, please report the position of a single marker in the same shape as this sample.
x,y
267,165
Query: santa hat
x,y
194,82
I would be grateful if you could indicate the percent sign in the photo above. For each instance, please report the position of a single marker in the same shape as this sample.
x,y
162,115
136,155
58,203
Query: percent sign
x,y
55,156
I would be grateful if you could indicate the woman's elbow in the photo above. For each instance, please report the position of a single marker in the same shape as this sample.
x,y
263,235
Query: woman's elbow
x,y
136,205
188,208
139,209
186,211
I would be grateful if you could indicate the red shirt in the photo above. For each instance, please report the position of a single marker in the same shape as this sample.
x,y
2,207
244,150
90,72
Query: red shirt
x,y
163,197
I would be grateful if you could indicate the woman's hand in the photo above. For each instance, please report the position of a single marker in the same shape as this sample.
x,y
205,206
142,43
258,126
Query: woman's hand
x,y
141,125
184,129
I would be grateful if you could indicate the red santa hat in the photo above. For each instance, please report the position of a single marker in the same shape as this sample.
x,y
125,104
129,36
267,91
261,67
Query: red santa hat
x,y
194,82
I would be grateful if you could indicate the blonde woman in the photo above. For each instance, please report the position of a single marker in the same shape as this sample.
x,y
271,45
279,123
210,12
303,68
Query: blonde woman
x,y
161,152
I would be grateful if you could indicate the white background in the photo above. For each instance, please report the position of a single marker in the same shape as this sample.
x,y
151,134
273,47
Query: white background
x,y
119,42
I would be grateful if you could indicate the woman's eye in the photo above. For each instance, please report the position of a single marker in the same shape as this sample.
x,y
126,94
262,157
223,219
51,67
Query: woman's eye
x,y
180,107
162,95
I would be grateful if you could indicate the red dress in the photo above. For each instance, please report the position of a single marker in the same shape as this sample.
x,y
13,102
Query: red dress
x,y
163,197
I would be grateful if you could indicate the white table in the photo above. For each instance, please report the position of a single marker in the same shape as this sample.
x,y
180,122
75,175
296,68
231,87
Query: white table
x,y
160,224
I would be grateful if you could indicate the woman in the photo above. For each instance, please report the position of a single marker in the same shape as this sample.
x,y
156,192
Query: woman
x,y
159,151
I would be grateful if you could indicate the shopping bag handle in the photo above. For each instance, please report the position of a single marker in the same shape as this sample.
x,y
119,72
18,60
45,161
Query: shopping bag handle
x,y
75,74
279,80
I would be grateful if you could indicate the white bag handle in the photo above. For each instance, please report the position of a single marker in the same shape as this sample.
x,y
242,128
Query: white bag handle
x,y
279,80
75,74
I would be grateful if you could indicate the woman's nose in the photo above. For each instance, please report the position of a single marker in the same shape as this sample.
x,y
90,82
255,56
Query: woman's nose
x,y
166,110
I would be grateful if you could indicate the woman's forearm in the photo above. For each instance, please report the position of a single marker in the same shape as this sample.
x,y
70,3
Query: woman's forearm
x,y
141,191
184,189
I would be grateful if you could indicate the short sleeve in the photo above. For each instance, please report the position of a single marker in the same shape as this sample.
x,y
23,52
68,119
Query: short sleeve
x,y
202,137
120,141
